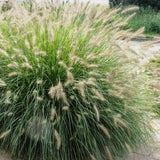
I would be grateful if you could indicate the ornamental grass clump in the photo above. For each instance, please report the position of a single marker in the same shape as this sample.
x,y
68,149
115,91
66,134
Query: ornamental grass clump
x,y
68,89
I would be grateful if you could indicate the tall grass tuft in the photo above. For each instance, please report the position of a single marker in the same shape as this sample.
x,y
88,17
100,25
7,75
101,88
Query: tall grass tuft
x,y
68,89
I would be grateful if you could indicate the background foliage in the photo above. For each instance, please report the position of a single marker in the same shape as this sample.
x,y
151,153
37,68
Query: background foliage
x,y
155,4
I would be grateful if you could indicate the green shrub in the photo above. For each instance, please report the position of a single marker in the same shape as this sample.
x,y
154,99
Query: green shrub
x,y
68,89
148,18
143,3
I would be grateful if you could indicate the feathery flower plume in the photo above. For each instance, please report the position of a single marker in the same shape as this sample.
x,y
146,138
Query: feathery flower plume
x,y
37,52
4,134
10,114
13,65
81,88
12,74
27,43
92,66
115,94
57,92
97,113
105,130
109,154
140,31
52,114
17,51
94,73
52,92
64,98
98,94
3,53
130,17
22,132
70,78
92,157
91,81
61,63
120,121
8,94
26,65
2,83
39,98
76,59
130,9
128,148
85,100
39,81
135,110
65,108
57,136
59,53
91,56
104,54
42,53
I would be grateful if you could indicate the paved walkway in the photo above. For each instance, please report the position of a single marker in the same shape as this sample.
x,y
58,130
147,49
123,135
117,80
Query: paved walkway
x,y
149,151
4,156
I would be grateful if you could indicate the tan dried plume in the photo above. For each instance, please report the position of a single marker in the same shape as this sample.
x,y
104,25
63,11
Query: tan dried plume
x,y
105,130
128,147
91,56
4,134
130,17
65,108
130,9
120,122
27,43
39,81
13,65
52,114
37,52
98,95
12,74
93,73
109,153
91,82
59,53
115,94
70,78
58,138
92,157
92,66
39,99
8,94
2,83
81,88
3,53
62,64
26,65
97,113
57,92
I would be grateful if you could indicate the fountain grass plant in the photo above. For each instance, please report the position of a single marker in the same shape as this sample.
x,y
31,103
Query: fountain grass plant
x,y
69,91
153,70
